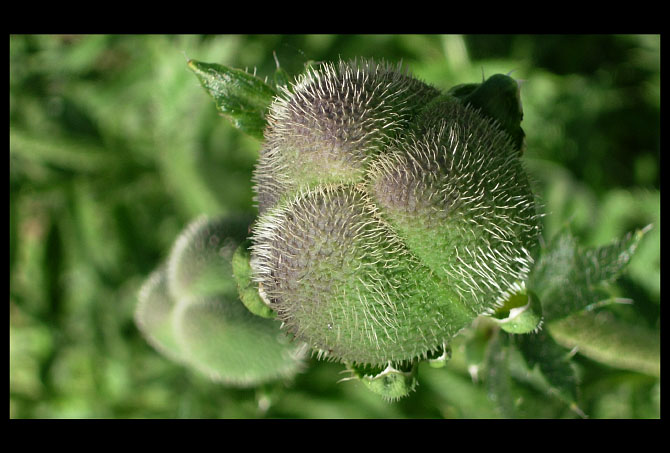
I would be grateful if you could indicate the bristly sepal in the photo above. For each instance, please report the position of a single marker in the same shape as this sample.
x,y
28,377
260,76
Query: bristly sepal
x,y
392,382
497,98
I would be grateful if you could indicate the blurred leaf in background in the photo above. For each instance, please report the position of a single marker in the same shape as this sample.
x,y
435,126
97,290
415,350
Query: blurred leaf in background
x,y
115,147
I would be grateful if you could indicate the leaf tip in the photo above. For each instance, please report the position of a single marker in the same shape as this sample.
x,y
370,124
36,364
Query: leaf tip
x,y
193,65
645,230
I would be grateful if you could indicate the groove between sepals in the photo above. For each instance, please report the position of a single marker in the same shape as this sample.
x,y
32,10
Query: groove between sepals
x,y
462,204
339,277
330,122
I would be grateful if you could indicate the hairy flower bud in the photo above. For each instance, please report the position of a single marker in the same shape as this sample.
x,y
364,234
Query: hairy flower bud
x,y
189,310
391,215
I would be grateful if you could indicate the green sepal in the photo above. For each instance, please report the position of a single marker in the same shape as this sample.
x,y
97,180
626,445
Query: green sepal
x,y
463,90
246,287
241,97
439,358
521,313
391,382
497,98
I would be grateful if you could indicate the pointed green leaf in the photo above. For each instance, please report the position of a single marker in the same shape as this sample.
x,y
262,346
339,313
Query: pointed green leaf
x,y
606,263
568,279
240,96
246,287
520,392
541,350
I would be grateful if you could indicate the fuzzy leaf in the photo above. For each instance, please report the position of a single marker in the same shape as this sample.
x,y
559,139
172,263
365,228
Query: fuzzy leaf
x,y
241,97
569,279
606,339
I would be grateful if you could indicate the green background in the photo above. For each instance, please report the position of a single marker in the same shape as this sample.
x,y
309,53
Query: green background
x,y
115,147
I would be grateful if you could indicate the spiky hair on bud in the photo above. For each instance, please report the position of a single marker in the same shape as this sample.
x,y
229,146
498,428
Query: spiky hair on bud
x,y
325,126
391,215
459,197
341,280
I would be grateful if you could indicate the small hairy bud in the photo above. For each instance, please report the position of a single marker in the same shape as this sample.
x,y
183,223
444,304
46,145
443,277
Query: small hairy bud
x,y
189,310
219,337
392,215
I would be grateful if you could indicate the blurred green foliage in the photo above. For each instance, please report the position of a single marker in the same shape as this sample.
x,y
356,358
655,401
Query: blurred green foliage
x,y
115,147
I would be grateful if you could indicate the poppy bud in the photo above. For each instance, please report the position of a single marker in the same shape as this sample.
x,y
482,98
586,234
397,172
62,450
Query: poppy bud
x,y
392,215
